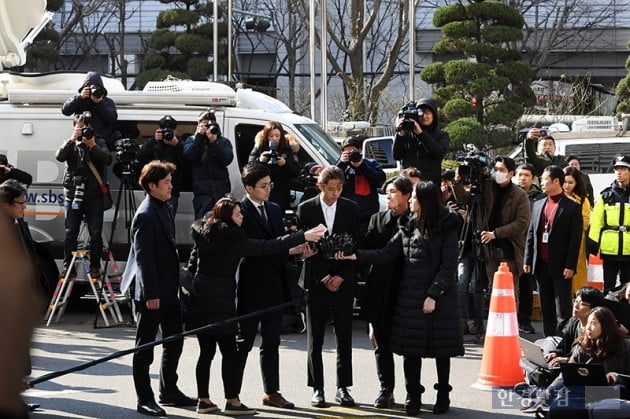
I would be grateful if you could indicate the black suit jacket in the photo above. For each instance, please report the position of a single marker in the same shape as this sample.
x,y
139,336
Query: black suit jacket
x,y
564,239
310,215
153,262
262,281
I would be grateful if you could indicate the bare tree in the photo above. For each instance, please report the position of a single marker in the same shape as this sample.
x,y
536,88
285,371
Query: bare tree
x,y
355,31
561,24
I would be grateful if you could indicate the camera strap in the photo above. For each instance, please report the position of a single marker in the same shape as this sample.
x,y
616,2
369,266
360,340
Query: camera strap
x,y
104,188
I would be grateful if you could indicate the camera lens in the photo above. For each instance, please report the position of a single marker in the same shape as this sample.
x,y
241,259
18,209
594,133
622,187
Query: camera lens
x,y
168,134
87,133
355,156
97,92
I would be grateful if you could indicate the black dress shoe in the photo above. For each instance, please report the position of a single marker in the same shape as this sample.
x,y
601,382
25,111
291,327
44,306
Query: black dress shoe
x,y
318,399
384,400
343,397
177,399
150,408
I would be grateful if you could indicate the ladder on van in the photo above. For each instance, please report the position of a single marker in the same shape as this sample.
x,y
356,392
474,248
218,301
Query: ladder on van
x,y
102,290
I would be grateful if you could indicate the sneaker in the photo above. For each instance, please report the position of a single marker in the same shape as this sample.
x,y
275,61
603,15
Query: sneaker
x,y
534,406
239,410
526,391
203,407
527,328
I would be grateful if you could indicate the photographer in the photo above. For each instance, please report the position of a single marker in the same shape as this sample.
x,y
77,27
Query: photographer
x,y
7,171
419,142
82,191
546,155
210,154
278,150
166,146
363,177
92,97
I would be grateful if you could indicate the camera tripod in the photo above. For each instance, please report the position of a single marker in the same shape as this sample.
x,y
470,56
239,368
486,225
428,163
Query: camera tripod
x,y
128,199
474,254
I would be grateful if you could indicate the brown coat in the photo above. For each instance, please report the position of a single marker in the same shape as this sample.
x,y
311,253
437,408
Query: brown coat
x,y
515,217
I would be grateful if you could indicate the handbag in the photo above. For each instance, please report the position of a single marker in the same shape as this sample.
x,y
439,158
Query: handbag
x,y
108,202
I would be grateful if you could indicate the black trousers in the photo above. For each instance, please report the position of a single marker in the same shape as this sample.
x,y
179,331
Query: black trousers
x,y
614,267
555,298
384,357
526,287
413,368
319,303
270,327
229,364
168,318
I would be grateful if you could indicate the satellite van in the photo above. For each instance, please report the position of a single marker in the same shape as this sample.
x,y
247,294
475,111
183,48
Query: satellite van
x,y
33,128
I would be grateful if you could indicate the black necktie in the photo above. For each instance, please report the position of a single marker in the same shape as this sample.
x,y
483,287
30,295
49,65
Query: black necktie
x,y
261,209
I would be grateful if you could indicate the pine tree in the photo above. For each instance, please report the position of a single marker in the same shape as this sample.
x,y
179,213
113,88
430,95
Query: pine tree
x,y
182,42
485,88
623,90
44,52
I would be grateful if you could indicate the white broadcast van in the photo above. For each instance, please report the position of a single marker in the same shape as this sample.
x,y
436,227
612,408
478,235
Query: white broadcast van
x,y
33,128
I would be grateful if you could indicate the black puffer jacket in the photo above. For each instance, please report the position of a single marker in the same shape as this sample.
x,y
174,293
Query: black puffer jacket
x,y
214,259
430,267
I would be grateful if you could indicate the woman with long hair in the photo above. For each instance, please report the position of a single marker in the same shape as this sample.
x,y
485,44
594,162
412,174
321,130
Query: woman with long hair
x,y
575,190
220,242
277,149
425,322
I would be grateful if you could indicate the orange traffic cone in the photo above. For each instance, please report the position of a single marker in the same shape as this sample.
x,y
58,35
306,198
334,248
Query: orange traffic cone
x,y
595,272
501,351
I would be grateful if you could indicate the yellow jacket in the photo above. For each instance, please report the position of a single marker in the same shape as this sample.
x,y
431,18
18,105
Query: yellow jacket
x,y
610,223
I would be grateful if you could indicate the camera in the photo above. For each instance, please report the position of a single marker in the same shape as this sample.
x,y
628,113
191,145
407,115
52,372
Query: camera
x,y
97,92
476,168
213,128
168,134
409,113
126,150
355,156
272,154
87,133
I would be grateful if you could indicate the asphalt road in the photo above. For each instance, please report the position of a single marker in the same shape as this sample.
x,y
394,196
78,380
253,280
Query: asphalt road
x,y
106,390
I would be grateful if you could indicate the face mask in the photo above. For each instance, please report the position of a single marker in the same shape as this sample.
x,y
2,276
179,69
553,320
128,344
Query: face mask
x,y
500,177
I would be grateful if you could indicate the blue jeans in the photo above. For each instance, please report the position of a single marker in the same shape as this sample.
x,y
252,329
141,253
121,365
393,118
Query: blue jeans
x,y
467,277
92,210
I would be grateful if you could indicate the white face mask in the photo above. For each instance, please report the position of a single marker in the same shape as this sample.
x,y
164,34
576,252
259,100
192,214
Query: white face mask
x,y
500,177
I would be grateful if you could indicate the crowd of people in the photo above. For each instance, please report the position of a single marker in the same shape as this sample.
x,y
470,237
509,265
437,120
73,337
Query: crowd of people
x,y
435,248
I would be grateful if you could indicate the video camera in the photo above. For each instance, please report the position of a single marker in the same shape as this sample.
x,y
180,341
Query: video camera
x,y
409,113
476,167
126,150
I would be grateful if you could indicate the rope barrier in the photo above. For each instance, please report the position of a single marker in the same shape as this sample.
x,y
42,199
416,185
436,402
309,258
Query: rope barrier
x,y
85,365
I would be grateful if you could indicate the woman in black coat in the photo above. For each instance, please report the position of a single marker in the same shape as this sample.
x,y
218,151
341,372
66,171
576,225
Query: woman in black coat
x,y
219,245
382,283
425,322
277,149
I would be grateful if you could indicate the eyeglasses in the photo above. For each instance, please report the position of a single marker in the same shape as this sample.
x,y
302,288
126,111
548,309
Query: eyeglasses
x,y
22,203
266,186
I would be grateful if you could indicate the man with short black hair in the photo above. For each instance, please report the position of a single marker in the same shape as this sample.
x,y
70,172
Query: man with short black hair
x,y
551,250
546,154
263,281
609,233
153,267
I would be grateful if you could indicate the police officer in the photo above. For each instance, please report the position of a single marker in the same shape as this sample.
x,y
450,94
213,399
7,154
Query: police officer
x,y
609,233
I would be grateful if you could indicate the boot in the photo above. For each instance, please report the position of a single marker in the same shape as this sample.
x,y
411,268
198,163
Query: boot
x,y
413,402
463,326
443,402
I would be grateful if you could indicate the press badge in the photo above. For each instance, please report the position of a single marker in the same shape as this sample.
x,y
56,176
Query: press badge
x,y
545,237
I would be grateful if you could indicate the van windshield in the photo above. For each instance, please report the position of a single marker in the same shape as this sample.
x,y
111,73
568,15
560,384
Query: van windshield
x,y
321,141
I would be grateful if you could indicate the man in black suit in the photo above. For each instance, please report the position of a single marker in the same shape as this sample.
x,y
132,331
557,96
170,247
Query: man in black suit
x,y
262,281
551,251
153,267
330,285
